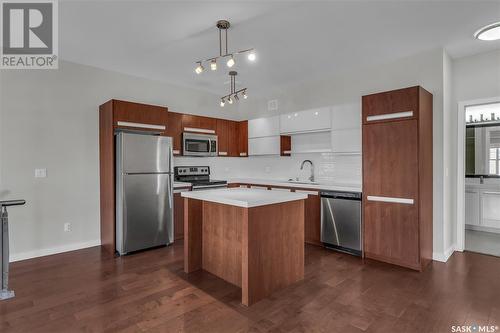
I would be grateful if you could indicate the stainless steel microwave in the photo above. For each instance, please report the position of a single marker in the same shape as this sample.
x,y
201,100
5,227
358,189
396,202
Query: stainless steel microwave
x,y
199,144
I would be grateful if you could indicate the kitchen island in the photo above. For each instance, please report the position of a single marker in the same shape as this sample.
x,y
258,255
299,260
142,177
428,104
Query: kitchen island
x,y
249,237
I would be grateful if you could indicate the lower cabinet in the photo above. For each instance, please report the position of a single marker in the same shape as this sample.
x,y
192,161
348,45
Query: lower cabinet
x,y
482,208
178,216
391,233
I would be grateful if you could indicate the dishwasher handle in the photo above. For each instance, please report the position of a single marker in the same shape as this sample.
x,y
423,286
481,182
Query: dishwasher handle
x,y
341,195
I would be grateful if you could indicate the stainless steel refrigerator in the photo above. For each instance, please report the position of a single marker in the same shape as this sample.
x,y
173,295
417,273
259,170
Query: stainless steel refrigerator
x,y
144,191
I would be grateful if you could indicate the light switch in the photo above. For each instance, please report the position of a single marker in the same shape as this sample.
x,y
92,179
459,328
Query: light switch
x,y
40,173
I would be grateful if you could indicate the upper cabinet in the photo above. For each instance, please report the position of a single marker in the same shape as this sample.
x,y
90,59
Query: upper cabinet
x,y
227,137
346,128
263,127
138,116
174,130
199,124
391,105
243,138
314,120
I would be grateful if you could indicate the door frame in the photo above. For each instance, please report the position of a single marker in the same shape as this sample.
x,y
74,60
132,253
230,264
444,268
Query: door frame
x,y
460,199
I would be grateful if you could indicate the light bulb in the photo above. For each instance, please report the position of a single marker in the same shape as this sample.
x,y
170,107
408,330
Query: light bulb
x,y
230,62
245,96
213,65
251,56
199,69
230,101
222,103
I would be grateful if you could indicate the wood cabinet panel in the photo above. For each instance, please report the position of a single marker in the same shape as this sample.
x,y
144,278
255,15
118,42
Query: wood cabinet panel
x,y
178,216
227,136
139,113
243,138
285,145
174,130
312,222
391,233
199,122
390,159
397,178
401,100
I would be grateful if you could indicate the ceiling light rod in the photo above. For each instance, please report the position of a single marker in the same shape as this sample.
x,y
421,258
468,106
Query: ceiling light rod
x,y
225,55
223,25
235,93
232,91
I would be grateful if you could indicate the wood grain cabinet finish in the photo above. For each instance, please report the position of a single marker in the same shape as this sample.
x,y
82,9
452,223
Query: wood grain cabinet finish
x,y
174,130
199,122
227,137
178,216
243,138
131,112
397,177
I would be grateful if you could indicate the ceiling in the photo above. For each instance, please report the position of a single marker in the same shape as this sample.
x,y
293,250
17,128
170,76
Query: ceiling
x,y
295,41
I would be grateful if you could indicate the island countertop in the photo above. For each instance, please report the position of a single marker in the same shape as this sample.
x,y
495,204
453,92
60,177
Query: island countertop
x,y
243,197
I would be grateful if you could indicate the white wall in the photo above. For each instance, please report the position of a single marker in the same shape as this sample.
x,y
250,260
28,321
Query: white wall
x,y
49,119
474,77
425,69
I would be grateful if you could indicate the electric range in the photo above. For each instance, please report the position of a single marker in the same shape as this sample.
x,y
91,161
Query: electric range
x,y
198,176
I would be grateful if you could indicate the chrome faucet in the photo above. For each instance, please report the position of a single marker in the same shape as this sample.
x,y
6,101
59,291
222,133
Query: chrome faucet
x,y
311,178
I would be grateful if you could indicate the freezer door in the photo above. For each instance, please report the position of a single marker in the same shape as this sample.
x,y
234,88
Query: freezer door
x,y
341,223
142,153
146,212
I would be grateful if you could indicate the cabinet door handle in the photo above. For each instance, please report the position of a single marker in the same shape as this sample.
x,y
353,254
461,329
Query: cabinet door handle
x,y
390,116
223,153
199,130
492,193
406,201
140,125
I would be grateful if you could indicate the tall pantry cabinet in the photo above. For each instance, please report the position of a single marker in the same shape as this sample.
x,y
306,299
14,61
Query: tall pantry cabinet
x,y
397,177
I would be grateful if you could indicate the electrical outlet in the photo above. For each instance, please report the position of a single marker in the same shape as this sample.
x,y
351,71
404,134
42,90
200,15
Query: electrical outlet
x,y
40,173
67,227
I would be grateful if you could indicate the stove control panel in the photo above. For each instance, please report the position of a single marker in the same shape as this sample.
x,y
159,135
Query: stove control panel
x,y
192,171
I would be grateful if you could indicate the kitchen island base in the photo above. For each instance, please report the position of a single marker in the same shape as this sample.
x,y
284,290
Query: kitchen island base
x,y
260,249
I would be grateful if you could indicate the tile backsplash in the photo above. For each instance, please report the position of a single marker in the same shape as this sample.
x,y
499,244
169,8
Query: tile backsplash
x,y
329,168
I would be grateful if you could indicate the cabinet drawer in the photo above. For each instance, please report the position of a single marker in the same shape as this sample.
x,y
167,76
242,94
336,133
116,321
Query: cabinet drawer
x,y
392,105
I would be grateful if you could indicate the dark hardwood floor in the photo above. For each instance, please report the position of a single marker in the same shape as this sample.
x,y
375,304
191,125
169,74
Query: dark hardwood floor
x,y
90,291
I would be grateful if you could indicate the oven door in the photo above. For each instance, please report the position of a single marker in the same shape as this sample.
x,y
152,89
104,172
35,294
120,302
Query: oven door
x,y
199,145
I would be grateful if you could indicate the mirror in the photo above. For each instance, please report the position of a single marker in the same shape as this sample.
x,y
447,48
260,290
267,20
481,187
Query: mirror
x,y
482,140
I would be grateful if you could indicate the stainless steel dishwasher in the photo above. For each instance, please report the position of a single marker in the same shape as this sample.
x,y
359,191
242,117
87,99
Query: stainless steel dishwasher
x,y
341,221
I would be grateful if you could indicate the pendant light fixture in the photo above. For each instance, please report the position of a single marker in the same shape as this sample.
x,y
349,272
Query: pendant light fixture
x,y
233,93
223,26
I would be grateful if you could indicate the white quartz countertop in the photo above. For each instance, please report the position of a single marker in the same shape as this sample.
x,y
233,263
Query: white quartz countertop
x,y
244,197
285,183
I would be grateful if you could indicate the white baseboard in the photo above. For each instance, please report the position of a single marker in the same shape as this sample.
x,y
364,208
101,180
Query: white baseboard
x,y
54,250
443,257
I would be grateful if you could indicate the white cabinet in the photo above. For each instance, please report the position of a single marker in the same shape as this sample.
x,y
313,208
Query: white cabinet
x,y
490,204
269,145
346,116
314,120
471,207
482,207
346,141
346,128
262,127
